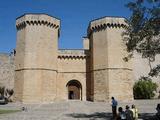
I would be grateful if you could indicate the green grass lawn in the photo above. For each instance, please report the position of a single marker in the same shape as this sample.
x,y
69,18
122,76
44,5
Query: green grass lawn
x,y
8,111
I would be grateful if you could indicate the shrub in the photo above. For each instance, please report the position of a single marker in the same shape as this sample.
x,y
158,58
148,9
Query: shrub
x,y
144,88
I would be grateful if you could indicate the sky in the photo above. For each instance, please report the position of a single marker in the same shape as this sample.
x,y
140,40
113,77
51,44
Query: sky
x,y
75,16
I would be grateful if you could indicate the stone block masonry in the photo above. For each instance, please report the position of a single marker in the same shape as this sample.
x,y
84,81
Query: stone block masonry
x,y
42,73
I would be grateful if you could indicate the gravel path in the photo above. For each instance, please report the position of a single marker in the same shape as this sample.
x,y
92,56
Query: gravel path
x,y
73,110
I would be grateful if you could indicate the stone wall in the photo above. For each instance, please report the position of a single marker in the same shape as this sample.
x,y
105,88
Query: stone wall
x,y
41,72
36,58
141,67
109,71
7,70
71,66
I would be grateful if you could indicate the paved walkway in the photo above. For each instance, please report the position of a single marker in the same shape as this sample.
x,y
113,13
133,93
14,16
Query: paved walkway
x,y
73,110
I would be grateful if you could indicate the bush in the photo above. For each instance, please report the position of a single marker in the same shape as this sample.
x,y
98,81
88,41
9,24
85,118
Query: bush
x,y
144,88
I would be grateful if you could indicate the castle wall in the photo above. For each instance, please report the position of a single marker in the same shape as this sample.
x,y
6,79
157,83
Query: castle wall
x,y
99,65
120,73
141,67
71,66
36,58
7,70
111,75
85,43
40,72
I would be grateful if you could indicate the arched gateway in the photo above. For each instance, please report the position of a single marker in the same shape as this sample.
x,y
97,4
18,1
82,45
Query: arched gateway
x,y
40,65
74,90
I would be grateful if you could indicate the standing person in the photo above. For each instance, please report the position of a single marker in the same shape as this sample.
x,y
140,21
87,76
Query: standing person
x,y
129,113
114,108
121,114
135,112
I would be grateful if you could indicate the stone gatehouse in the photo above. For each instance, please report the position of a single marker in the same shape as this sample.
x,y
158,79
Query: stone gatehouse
x,y
44,73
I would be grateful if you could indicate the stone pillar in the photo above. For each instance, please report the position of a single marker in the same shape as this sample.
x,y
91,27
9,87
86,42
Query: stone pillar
x,y
36,58
111,75
85,43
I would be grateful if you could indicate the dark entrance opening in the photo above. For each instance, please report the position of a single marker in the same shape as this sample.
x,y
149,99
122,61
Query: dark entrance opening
x,y
74,90
71,95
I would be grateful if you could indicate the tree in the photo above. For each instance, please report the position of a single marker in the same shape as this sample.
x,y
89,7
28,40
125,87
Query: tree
x,y
9,93
143,31
6,93
144,88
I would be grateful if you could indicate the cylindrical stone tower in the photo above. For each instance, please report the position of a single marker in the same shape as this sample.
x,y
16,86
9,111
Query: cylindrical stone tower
x,y
36,58
110,74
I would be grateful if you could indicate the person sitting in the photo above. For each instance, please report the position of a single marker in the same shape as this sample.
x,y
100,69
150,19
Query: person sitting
x,y
158,111
121,114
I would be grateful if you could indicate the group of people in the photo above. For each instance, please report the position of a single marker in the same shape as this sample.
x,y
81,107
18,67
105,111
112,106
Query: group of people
x,y
128,114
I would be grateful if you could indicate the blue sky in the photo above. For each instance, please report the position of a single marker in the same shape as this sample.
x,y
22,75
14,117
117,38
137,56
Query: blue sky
x,y
75,16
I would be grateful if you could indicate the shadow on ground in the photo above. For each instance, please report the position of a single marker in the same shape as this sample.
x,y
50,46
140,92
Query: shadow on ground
x,y
148,116
108,116
102,115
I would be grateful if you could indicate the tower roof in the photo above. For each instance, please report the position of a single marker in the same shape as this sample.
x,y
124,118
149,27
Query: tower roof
x,y
104,22
37,19
37,14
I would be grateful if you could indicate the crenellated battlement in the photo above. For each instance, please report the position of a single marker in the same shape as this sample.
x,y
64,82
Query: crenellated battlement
x,y
106,22
37,19
43,72
73,54
37,40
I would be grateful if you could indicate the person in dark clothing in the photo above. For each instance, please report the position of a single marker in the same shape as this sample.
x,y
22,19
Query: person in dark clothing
x,y
157,115
158,112
114,107
129,113
121,114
